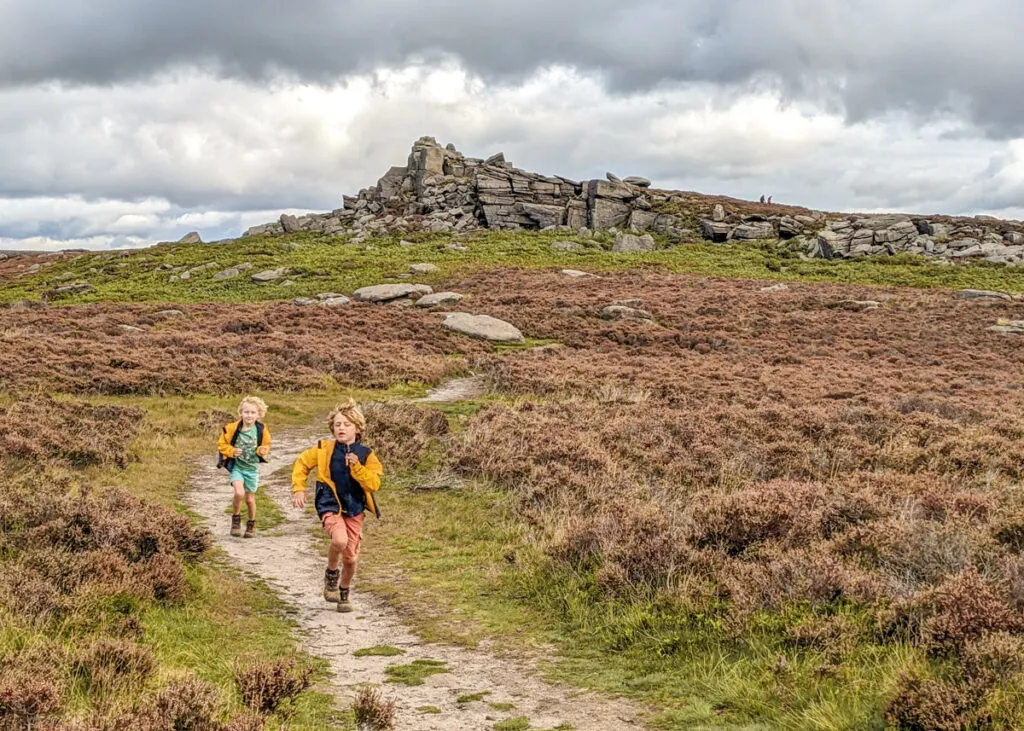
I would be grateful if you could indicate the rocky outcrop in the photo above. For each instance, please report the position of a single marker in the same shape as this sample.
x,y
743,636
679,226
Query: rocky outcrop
x,y
441,190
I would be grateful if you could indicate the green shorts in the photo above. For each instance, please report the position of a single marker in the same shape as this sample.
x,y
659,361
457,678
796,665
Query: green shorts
x,y
250,479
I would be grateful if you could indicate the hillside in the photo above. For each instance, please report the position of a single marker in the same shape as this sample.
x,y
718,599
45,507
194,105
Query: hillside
x,y
733,485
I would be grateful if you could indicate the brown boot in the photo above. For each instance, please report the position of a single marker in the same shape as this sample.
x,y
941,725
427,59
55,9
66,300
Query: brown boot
x,y
236,525
331,584
344,605
250,529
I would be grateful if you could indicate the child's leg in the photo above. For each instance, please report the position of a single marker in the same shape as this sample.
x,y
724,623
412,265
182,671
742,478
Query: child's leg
x,y
350,553
250,503
339,542
236,503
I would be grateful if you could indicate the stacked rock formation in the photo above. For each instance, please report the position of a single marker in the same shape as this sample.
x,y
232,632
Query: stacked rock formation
x,y
441,190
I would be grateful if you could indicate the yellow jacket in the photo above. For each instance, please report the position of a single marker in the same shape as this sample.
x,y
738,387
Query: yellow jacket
x,y
226,442
366,472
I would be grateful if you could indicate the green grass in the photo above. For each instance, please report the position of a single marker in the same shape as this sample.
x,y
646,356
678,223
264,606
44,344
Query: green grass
x,y
521,723
322,263
268,514
379,651
428,709
225,620
416,672
502,706
472,697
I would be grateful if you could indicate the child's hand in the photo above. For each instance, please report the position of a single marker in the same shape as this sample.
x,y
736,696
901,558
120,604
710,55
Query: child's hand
x,y
298,499
351,459
263,451
236,452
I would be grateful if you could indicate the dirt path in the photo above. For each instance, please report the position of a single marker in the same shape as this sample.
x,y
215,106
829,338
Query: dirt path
x,y
287,557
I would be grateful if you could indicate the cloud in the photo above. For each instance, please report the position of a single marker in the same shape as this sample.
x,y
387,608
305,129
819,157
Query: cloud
x,y
860,59
192,151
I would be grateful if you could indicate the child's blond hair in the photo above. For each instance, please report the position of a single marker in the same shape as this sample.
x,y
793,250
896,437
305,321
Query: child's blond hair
x,y
350,410
260,404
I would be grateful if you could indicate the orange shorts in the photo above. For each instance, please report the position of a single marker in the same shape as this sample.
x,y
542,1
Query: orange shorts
x,y
350,533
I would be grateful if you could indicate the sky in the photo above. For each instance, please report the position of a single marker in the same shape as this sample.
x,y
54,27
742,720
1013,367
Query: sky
x,y
124,123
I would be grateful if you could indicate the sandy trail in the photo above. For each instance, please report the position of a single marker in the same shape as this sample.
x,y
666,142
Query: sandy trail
x,y
288,559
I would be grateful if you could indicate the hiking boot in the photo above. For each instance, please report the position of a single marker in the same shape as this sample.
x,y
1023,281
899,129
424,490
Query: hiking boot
x,y
344,605
250,529
236,525
331,585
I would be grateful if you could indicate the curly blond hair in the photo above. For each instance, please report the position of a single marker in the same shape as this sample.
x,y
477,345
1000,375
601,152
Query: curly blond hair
x,y
350,410
260,404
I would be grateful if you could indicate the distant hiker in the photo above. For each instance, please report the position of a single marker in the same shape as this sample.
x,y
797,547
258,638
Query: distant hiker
x,y
243,444
347,475
769,200
762,198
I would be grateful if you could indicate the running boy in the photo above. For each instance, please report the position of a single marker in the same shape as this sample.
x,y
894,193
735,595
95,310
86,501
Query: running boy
x,y
347,474
243,444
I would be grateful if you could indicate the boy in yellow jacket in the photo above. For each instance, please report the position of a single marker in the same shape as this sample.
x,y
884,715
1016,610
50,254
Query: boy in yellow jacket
x,y
347,475
243,444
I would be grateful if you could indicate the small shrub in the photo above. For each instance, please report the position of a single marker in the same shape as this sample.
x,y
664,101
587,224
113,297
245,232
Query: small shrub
x,y
26,694
925,704
191,705
272,686
110,664
372,712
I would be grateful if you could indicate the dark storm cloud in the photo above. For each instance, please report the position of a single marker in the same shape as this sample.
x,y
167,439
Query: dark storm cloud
x,y
863,57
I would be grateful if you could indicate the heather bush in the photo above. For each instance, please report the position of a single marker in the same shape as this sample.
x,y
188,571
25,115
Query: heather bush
x,y
403,432
108,664
42,429
372,712
271,686
82,349
930,704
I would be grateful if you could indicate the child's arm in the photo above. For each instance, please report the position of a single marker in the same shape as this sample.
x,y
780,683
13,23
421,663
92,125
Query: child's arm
x,y
224,444
264,449
368,475
300,473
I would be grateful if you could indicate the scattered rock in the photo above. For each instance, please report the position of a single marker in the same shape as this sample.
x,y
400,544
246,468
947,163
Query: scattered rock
x,y
129,328
775,288
983,294
718,213
855,305
423,268
328,295
1008,326
403,242
270,275
304,301
290,224
67,290
624,312
567,246
638,181
484,327
388,292
230,272
574,273
438,299
631,243
170,313
337,301
192,237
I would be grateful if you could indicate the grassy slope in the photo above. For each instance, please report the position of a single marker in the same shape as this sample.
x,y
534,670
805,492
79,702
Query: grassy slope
x,y
326,264
442,555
